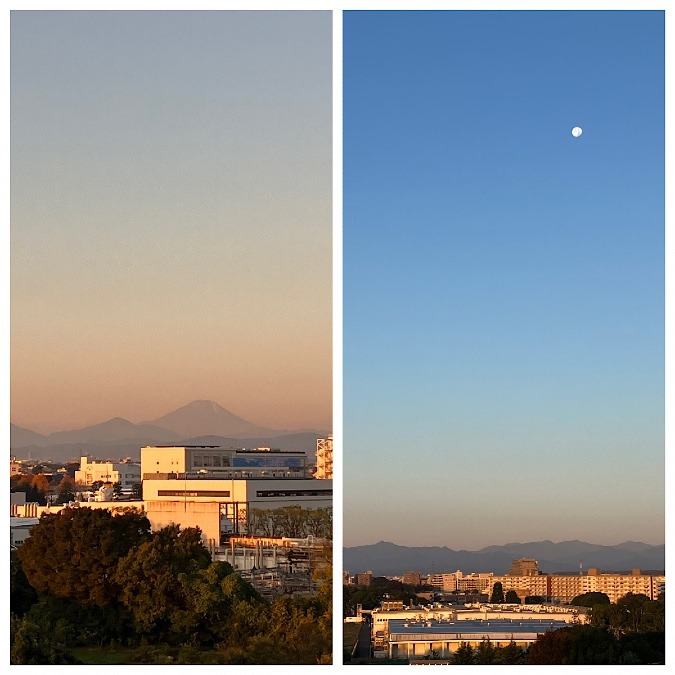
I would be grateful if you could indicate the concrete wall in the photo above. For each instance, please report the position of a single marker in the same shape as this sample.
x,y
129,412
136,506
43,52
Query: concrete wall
x,y
204,515
241,490
163,460
17,498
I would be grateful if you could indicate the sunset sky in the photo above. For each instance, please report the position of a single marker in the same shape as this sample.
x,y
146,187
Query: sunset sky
x,y
503,280
171,216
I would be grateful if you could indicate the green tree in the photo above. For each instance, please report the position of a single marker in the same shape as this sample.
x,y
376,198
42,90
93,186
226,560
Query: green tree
x,y
35,487
590,599
485,653
574,645
647,648
211,595
533,599
301,632
654,618
550,648
21,594
148,577
592,646
72,623
510,655
463,655
65,492
41,483
612,617
512,598
635,605
291,521
74,553
371,596
497,596
29,644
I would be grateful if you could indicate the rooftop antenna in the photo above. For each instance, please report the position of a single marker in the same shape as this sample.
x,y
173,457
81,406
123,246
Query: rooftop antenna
x,y
581,571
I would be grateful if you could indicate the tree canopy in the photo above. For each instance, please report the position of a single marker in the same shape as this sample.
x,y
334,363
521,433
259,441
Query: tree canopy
x,y
291,521
36,487
590,599
512,598
153,576
497,596
103,578
74,553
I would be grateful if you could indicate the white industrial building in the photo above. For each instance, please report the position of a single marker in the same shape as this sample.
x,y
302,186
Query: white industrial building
x,y
216,488
382,618
441,639
209,487
218,462
19,529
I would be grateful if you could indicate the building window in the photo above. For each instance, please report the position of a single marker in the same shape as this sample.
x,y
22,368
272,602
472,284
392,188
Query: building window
x,y
193,493
294,493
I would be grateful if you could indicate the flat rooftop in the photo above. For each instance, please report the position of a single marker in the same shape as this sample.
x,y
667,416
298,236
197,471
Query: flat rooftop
x,y
469,629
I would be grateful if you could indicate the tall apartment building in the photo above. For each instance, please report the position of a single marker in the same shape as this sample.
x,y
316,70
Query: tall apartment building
x,y
324,458
364,579
412,578
456,581
525,585
444,582
524,567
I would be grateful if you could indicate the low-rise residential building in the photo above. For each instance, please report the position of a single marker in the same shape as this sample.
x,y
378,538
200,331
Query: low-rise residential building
x,y
125,472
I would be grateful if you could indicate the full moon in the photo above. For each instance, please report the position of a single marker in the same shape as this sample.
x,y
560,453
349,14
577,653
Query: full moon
x,y
577,131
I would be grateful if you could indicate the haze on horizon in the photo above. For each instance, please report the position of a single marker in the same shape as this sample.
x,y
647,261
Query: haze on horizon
x,y
476,537
171,230
503,280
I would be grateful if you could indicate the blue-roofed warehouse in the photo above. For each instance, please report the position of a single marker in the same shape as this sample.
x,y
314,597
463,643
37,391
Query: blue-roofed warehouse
x,y
416,639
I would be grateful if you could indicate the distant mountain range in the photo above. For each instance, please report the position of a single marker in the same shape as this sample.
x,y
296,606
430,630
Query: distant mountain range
x,y
197,423
385,558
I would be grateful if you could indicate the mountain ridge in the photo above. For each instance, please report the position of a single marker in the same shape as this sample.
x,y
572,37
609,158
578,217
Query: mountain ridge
x,y
386,558
117,437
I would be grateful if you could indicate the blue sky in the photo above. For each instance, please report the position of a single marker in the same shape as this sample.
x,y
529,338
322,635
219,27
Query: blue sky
x,y
503,281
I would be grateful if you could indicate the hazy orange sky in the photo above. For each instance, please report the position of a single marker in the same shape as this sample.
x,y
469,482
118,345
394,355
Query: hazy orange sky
x,y
171,216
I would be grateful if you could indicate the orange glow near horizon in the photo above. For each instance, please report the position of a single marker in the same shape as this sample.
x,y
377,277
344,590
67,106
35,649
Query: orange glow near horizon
x,y
171,233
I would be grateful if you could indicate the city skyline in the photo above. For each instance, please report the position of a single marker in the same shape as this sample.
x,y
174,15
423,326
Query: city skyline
x,y
503,279
171,230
